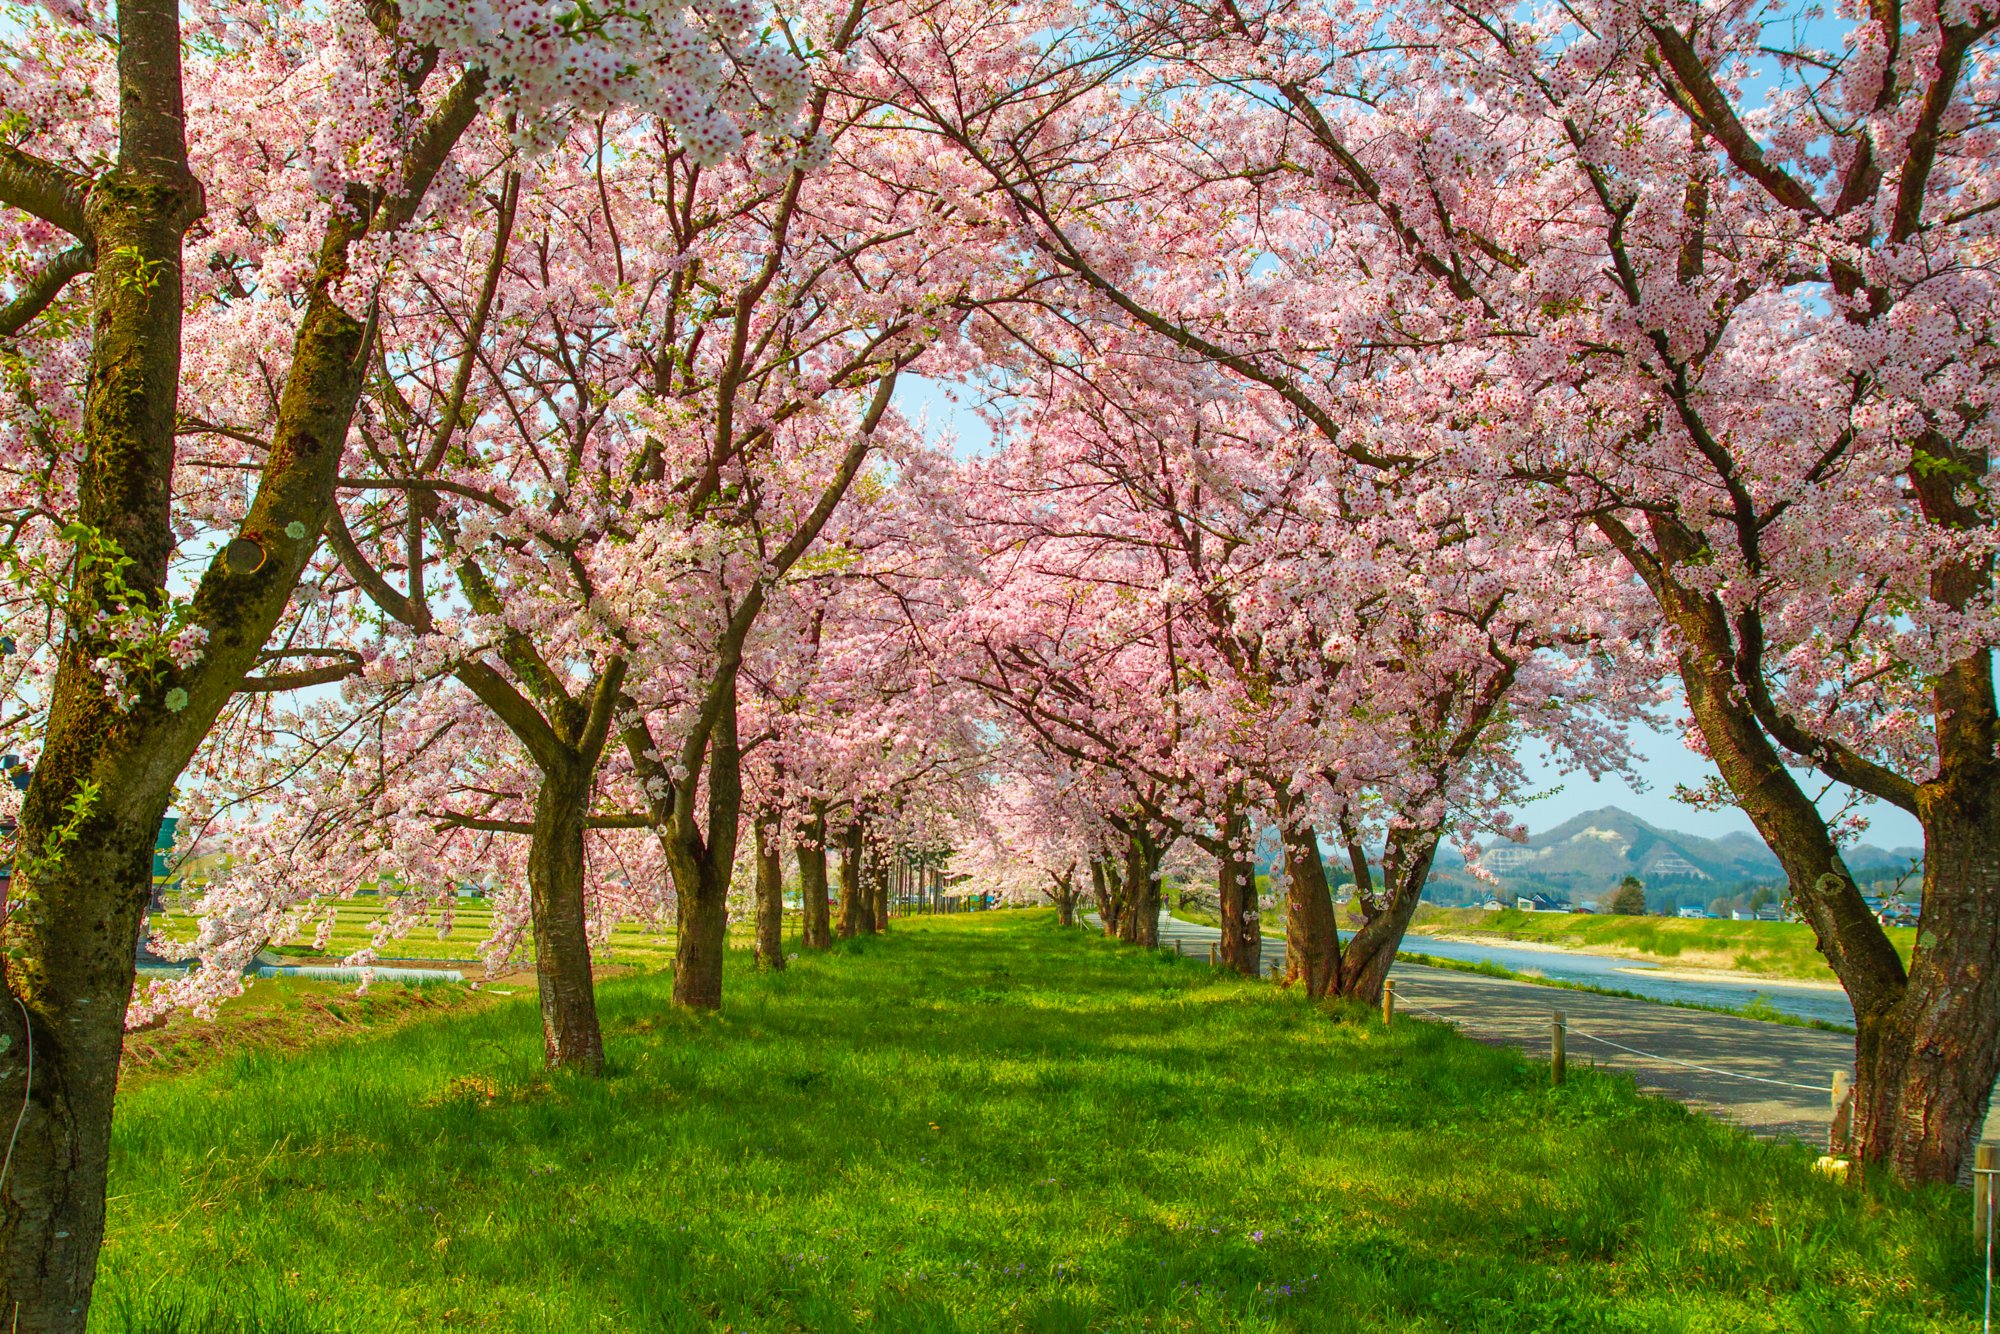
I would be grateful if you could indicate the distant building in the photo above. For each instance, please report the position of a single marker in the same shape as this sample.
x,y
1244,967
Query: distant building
x,y
1693,912
1540,903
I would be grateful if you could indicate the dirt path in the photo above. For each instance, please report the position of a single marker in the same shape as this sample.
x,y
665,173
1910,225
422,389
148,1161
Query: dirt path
x,y
1771,1079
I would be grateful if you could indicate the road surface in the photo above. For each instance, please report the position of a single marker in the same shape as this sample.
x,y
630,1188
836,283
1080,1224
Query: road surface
x,y
1771,1079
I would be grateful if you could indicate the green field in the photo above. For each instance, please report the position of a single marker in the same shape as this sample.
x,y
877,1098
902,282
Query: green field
x,y
979,1123
472,921
1770,949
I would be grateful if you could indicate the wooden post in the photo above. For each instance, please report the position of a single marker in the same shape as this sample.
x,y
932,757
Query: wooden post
x,y
1558,1048
1179,953
1837,1128
1388,1004
1985,1164
1213,954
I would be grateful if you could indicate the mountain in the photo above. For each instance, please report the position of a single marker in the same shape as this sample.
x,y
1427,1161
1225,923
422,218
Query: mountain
x,y
1591,853
1595,850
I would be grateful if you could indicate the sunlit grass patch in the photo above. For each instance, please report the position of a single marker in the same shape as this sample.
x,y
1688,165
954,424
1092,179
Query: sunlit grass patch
x,y
1084,1137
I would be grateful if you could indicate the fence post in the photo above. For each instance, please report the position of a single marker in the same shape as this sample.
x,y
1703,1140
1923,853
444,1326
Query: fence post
x,y
1836,1129
1558,1048
1212,948
1985,1166
1388,1004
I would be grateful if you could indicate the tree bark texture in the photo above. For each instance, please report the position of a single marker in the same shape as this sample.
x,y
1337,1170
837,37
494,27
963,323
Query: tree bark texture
x,y
811,851
857,907
570,1035
1139,918
770,893
1312,936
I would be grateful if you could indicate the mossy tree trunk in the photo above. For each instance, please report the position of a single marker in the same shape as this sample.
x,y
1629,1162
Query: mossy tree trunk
x,y
106,774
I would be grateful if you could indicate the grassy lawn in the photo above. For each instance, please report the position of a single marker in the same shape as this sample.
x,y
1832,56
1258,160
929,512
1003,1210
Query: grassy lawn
x,y
981,1123
1773,949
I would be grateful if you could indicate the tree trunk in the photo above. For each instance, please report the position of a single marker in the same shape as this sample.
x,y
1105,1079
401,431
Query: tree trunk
x,y
1312,936
73,1000
1104,888
1365,960
570,1035
770,893
87,826
1242,946
811,849
1065,897
1925,1071
1236,896
1925,1040
1139,922
703,923
878,886
702,865
105,775
856,905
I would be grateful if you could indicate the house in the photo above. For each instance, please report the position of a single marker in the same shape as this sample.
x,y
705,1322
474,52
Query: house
x,y
1742,914
1493,905
1540,903
1771,912
1692,912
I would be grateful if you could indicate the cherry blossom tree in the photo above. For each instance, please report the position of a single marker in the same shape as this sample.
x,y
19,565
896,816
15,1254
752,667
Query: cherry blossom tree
x,y
1722,301
256,187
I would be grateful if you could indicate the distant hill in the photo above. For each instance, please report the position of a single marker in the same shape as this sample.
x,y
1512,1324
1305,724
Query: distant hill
x,y
1591,853
1595,850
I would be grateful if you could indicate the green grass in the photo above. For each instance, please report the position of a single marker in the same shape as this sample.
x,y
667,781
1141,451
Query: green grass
x,y
980,1123
1757,1007
1771,949
286,1014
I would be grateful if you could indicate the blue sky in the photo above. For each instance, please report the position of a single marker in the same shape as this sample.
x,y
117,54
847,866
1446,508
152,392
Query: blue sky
x,y
1662,761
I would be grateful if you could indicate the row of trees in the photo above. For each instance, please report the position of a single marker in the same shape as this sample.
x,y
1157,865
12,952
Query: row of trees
x,y
450,440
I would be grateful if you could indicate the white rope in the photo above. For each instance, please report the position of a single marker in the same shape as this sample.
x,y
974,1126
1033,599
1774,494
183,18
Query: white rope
x,y
1706,1069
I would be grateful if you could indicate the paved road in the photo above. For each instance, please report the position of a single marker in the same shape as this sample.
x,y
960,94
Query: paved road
x,y
1771,1079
